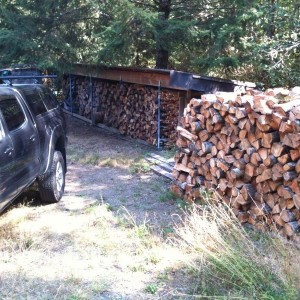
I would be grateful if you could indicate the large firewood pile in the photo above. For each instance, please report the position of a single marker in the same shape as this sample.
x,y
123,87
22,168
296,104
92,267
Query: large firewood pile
x,y
130,108
247,149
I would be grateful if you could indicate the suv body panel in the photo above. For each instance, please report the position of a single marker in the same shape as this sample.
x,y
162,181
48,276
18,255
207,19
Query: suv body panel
x,y
50,124
7,166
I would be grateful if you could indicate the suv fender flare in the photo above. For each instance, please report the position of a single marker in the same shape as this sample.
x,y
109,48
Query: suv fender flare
x,y
54,137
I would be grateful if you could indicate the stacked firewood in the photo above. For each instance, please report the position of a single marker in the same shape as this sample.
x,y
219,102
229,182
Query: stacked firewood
x,y
130,108
169,117
247,149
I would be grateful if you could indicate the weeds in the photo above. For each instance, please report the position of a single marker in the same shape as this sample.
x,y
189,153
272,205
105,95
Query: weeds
x,y
14,241
170,196
139,166
151,288
138,268
170,153
17,244
227,259
167,196
141,231
167,232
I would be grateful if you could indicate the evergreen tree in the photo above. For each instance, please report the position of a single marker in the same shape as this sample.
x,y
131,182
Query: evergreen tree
x,y
44,32
146,33
125,37
277,43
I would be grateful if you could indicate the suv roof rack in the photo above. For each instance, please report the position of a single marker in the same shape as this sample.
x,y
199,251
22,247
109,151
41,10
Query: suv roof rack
x,y
10,78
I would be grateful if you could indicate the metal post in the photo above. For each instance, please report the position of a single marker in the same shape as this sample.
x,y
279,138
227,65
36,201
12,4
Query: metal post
x,y
70,93
55,86
158,115
92,101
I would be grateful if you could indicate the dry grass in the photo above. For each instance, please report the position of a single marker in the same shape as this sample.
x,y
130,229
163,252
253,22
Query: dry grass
x,y
91,253
233,263
99,159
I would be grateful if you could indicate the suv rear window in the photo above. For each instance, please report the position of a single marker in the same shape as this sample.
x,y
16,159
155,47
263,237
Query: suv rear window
x,y
12,112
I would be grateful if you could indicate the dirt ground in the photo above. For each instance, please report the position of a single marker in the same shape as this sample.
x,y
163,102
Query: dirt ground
x,y
111,168
108,236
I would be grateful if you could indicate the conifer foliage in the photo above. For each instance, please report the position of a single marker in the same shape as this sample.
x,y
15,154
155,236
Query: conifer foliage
x,y
43,32
257,40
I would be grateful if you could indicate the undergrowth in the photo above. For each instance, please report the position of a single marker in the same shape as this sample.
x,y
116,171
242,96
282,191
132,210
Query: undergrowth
x,y
139,166
229,262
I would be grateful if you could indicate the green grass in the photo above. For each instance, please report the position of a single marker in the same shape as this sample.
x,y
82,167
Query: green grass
x,y
151,288
170,196
139,166
167,196
169,153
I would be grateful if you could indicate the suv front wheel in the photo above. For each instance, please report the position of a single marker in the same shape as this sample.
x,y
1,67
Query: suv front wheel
x,y
52,184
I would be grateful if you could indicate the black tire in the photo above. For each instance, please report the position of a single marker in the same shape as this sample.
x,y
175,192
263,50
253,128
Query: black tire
x,y
52,184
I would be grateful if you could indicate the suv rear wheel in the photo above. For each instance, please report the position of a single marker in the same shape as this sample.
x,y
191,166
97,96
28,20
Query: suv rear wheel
x,y
52,184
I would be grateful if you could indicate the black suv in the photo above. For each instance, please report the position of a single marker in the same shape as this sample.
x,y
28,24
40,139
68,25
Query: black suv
x,y
32,143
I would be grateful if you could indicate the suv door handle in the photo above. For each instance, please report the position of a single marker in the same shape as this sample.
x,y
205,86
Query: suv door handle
x,y
9,151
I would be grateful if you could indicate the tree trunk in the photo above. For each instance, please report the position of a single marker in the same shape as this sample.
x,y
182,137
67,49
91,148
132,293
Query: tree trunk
x,y
162,53
162,58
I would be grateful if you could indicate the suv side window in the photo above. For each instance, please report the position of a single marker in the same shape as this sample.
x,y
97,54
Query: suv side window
x,y
12,112
36,104
49,100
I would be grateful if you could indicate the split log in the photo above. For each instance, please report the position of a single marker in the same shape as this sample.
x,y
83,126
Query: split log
x,y
269,139
285,192
291,228
287,216
277,149
296,199
236,174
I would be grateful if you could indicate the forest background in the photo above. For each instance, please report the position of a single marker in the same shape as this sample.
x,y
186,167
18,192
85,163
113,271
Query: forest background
x,y
252,40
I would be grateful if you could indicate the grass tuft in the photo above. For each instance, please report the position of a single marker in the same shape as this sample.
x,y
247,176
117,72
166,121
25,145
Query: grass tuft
x,y
151,288
139,166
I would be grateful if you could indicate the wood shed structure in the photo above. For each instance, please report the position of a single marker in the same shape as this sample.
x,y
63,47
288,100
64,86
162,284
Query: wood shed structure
x,y
145,104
